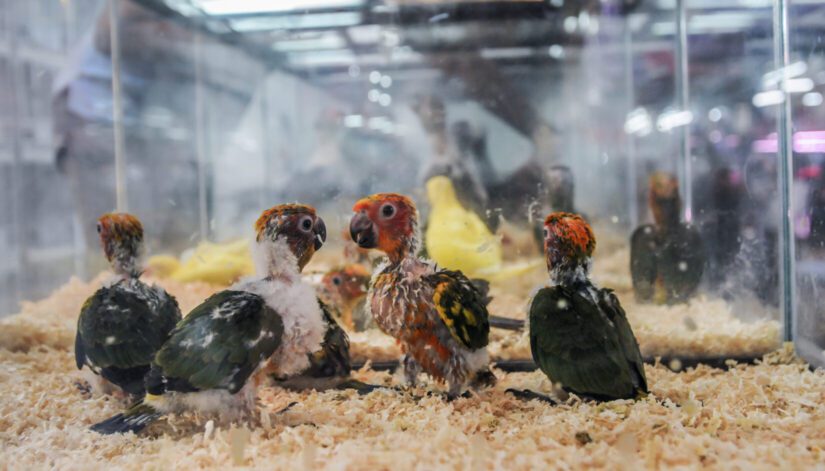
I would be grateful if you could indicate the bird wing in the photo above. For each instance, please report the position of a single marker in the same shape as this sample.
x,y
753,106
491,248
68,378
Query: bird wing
x,y
630,346
576,345
461,306
333,359
218,345
123,325
643,253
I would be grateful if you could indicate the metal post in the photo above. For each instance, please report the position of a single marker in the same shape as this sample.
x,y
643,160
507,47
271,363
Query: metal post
x,y
683,100
200,139
16,182
117,107
632,183
785,173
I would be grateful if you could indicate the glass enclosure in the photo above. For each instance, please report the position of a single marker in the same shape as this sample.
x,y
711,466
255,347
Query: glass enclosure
x,y
197,114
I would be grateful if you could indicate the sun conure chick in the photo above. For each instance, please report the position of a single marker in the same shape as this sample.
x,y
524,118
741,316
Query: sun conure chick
x,y
579,334
437,316
345,291
270,323
125,322
667,258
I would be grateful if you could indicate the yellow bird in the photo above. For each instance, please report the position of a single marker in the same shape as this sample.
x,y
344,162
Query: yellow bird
x,y
220,264
456,237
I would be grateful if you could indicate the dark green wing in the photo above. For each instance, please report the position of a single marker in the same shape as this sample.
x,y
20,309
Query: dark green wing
x,y
462,308
643,254
333,357
123,325
630,346
218,345
682,263
575,344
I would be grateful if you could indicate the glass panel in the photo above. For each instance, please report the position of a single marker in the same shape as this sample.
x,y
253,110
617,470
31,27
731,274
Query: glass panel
x,y
808,85
526,107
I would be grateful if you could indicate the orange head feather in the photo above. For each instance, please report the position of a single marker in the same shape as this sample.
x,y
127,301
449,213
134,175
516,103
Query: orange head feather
x,y
387,222
121,236
568,240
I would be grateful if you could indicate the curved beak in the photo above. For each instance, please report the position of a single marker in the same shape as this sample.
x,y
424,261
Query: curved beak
x,y
362,231
320,230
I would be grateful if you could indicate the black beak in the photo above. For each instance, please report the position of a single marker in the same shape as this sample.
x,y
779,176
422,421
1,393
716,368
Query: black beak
x,y
362,231
320,230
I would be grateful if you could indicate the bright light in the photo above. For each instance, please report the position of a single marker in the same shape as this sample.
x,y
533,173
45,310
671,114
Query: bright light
x,y
775,76
327,41
373,95
769,98
673,119
319,20
386,81
799,85
354,121
715,114
384,100
244,7
812,99
375,76
638,122
570,24
556,51
506,52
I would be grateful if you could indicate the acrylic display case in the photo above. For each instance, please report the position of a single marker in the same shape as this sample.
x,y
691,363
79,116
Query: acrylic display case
x,y
197,114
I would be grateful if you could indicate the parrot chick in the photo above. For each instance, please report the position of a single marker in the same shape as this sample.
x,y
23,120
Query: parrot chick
x,y
437,316
271,323
667,258
345,291
579,333
456,237
124,323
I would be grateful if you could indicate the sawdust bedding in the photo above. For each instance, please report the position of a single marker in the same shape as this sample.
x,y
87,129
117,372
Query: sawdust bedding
x,y
768,415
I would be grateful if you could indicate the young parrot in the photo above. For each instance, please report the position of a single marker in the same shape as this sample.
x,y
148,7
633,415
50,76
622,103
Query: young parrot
x,y
667,259
269,324
125,322
345,291
437,316
579,334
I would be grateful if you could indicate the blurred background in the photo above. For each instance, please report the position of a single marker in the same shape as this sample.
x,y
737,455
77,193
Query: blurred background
x,y
224,107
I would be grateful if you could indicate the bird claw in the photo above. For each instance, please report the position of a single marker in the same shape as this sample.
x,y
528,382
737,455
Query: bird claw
x,y
84,387
528,395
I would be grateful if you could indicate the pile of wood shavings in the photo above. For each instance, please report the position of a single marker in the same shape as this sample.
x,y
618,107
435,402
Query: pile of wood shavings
x,y
770,415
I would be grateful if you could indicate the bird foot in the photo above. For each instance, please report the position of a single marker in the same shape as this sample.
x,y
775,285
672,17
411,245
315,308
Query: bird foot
x,y
84,387
528,395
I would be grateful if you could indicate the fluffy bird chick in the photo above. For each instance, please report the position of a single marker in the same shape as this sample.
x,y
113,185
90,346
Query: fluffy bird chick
x,y
437,316
123,324
345,291
579,334
271,323
667,258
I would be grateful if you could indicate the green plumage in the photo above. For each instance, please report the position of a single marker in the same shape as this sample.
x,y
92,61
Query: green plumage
x,y
666,264
333,359
462,307
586,344
120,328
218,345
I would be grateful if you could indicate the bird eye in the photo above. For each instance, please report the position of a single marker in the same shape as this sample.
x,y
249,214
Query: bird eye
x,y
336,280
306,224
546,233
99,228
387,211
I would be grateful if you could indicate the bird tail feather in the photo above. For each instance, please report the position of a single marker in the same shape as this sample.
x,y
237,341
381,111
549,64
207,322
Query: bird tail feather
x,y
134,419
